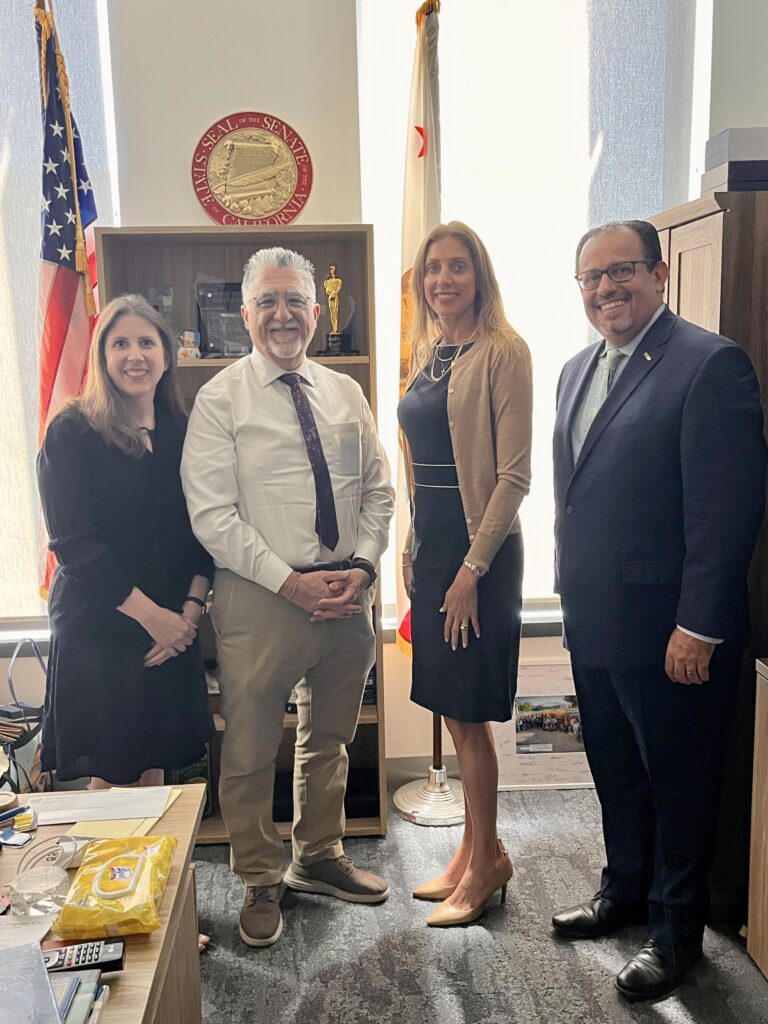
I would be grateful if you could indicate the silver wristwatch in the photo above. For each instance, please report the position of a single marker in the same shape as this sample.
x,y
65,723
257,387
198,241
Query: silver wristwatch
x,y
475,569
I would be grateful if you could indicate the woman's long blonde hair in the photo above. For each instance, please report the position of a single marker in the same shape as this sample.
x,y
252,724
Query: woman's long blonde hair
x,y
492,323
102,403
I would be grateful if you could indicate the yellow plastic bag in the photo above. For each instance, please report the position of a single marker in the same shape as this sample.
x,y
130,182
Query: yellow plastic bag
x,y
117,888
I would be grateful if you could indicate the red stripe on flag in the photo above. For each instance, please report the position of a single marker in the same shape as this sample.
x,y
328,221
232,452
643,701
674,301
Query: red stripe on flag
x,y
58,313
73,364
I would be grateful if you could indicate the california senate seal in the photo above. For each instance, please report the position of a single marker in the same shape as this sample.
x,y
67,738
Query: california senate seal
x,y
251,168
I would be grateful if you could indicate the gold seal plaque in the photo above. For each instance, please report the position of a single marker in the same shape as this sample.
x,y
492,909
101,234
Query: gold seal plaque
x,y
251,168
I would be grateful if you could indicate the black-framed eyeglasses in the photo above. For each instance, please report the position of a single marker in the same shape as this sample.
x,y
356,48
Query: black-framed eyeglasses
x,y
618,272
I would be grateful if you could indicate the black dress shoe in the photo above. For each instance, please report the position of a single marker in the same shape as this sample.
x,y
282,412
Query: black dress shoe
x,y
651,973
598,916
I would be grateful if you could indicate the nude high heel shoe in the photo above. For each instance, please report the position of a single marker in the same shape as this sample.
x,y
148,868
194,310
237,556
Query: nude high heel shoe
x,y
436,890
446,916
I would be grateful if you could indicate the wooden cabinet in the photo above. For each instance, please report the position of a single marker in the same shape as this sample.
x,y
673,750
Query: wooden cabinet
x,y
717,250
757,937
170,262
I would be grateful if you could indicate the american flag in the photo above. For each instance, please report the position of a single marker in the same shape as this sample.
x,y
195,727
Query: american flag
x,y
66,302
66,289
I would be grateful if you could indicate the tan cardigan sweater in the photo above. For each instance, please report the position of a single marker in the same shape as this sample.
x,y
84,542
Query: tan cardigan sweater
x,y
489,412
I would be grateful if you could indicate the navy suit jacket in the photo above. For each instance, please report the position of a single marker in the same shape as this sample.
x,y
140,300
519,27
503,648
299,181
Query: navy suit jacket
x,y
657,520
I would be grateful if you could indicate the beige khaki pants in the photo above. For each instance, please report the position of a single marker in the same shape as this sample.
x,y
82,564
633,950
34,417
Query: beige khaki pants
x,y
266,647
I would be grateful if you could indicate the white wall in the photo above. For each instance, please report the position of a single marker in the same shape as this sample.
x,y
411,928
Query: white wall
x,y
180,65
739,97
28,680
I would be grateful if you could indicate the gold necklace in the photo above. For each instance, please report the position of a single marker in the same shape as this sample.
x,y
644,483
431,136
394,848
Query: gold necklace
x,y
448,363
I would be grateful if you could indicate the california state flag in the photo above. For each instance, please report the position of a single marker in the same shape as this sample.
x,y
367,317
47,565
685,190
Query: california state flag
x,y
421,212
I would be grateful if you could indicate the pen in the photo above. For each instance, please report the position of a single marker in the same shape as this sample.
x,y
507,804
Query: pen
x,y
14,811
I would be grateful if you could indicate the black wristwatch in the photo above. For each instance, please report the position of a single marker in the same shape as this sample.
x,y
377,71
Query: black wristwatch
x,y
366,566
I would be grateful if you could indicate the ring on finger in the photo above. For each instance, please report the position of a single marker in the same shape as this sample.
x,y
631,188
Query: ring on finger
x,y
463,625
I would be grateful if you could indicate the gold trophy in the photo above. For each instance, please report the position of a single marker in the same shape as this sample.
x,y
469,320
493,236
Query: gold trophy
x,y
336,341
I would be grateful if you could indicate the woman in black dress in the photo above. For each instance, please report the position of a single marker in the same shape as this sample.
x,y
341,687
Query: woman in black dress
x,y
466,417
126,694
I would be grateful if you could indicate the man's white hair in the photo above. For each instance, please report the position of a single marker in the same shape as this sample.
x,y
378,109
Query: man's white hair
x,y
269,259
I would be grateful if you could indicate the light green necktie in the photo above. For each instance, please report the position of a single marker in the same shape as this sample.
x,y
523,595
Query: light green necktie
x,y
607,369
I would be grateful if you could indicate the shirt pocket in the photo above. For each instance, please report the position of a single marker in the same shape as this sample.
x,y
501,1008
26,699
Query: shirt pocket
x,y
348,449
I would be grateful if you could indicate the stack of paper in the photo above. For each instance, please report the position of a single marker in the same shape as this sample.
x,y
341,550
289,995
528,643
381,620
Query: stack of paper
x,y
107,813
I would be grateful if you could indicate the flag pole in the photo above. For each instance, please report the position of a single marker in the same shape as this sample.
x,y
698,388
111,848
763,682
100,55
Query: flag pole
x,y
436,800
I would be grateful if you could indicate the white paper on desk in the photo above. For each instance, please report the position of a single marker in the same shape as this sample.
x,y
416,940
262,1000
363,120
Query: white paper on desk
x,y
25,992
121,828
16,930
100,805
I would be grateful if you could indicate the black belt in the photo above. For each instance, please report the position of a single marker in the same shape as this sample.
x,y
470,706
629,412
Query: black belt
x,y
434,476
343,565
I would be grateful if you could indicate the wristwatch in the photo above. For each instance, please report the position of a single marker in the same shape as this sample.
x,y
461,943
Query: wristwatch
x,y
474,569
366,566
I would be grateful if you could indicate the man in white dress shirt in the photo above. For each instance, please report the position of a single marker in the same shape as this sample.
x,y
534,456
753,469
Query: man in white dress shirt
x,y
289,489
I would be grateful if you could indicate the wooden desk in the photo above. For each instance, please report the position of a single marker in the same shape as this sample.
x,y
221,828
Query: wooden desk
x,y
757,937
161,980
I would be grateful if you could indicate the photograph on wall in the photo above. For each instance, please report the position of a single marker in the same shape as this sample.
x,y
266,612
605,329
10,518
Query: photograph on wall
x,y
548,725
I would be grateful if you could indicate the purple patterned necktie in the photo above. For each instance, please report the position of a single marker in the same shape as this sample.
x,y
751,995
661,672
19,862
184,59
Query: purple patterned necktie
x,y
326,524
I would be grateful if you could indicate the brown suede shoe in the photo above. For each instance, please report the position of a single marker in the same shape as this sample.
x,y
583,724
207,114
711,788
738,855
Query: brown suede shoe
x,y
339,877
261,922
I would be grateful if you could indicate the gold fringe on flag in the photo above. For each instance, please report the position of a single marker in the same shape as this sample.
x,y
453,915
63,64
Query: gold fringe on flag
x,y
47,29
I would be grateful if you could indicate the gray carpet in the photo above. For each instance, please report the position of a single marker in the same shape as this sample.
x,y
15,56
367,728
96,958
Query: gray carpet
x,y
337,962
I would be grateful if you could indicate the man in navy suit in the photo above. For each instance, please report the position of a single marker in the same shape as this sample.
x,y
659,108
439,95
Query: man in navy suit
x,y
659,464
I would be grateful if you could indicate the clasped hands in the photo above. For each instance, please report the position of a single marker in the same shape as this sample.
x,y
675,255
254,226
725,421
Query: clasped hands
x,y
172,632
332,594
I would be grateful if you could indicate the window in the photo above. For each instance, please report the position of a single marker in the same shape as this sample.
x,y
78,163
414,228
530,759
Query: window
x,y
20,174
554,117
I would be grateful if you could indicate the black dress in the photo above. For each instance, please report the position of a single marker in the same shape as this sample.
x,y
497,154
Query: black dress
x,y
116,522
477,684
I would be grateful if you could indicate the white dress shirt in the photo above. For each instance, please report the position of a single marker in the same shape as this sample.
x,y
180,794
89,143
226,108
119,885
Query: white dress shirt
x,y
249,483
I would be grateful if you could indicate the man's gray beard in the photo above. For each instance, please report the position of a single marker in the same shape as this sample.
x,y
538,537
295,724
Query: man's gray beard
x,y
284,351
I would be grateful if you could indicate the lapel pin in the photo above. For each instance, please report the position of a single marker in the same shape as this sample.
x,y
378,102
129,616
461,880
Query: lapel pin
x,y
647,355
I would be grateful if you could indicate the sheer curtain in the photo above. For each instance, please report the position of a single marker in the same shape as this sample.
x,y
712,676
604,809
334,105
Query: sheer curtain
x,y
554,117
20,177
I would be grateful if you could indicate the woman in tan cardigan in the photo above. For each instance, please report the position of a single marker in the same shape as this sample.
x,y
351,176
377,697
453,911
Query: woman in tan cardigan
x,y
466,417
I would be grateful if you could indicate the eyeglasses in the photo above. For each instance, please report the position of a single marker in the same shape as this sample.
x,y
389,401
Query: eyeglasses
x,y
269,300
618,272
